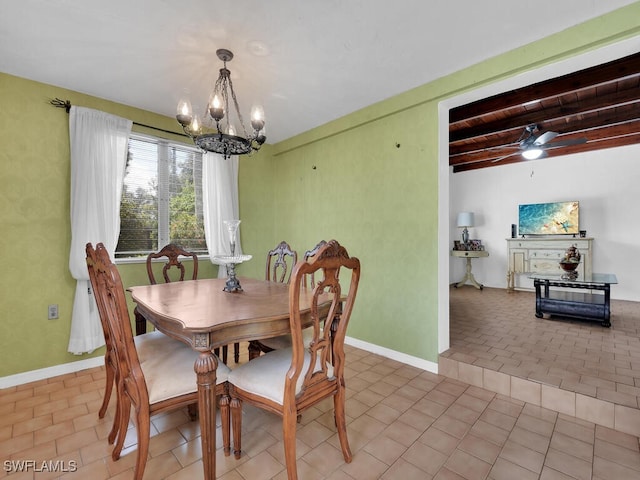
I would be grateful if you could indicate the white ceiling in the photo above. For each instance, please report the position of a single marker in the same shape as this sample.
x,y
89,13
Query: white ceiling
x,y
306,61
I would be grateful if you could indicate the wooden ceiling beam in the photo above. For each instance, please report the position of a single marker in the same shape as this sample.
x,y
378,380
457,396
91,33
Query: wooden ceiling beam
x,y
543,116
590,77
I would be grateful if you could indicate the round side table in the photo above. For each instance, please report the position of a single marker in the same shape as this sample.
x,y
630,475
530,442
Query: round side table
x,y
469,254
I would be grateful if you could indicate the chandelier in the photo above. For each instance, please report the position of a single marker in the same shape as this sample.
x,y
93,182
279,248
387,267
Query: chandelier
x,y
216,131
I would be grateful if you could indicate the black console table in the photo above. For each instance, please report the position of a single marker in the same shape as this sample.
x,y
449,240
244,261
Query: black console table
x,y
580,304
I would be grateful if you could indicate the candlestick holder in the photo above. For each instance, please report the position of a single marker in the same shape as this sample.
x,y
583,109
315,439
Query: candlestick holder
x,y
230,262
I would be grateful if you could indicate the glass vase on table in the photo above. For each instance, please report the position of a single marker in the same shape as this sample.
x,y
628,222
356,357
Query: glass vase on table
x,y
230,261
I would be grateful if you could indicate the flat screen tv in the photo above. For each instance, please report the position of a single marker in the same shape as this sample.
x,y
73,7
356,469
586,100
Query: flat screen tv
x,y
557,218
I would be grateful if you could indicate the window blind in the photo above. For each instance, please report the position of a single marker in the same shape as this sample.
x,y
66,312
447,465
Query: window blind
x,y
161,199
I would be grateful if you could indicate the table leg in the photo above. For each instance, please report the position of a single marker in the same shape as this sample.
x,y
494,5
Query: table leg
x,y
141,322
536,284
607,306
205,368
469,276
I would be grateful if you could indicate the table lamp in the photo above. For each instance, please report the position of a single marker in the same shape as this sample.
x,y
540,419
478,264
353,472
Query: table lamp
x,y
465,220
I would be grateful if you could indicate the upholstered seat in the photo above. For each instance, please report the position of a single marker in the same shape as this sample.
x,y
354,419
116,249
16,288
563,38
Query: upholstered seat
x,y
167,365
266,377
284,341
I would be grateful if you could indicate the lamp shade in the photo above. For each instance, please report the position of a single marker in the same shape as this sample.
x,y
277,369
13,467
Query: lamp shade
x,y
465,219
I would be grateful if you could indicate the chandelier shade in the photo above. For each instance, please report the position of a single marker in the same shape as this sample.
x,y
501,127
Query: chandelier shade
x,y
215,131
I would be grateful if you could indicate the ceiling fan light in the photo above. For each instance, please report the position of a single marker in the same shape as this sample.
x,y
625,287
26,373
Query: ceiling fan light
x,y
532,153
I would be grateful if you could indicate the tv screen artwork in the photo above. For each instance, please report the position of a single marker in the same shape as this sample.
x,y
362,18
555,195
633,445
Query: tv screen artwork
x,y
558,218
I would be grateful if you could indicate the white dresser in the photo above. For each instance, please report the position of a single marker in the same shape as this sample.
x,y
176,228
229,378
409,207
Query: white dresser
x,y
543,254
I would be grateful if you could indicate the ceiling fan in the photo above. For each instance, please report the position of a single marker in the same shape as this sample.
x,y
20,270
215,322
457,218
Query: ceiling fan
x,y
532,144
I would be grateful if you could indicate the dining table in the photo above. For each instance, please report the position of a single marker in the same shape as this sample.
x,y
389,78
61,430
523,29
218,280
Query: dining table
x,y
203,315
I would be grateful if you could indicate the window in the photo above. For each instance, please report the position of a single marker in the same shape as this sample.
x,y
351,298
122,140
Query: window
x,y
161,198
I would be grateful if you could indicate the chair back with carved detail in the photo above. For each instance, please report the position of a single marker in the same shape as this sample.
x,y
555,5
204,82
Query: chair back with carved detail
x,y
280,262
172,253
307,255
290,380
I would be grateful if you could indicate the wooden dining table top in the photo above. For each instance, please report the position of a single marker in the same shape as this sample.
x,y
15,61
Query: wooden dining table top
x,y
188,310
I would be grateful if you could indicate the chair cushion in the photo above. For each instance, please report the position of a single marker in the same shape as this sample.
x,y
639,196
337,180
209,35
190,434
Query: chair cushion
x,y
265,375
277,343
167,365
284,341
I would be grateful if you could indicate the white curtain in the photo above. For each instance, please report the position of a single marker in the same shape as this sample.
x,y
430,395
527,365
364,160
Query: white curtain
x,y
98,143
220,202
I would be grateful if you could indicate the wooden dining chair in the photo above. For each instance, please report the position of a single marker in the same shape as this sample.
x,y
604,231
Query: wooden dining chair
x,y
282,341
288,381
171,253
147,344
279,265
162,379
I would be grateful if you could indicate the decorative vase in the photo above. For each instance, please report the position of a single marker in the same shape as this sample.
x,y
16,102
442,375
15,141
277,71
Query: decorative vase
x,y
232,226
233,284
570,262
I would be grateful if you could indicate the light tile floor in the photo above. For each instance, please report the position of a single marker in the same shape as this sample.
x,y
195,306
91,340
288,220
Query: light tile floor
x,y
404,423
498,331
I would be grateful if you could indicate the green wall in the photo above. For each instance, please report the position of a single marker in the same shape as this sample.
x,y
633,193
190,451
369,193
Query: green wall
x,y
374,189
35,222
368,180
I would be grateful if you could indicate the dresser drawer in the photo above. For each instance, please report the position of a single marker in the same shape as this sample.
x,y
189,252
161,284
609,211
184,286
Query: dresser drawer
x,y
541,265
554,243
547,254
551,267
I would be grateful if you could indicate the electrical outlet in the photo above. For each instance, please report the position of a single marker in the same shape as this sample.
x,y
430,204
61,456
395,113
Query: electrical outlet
x,y
53,312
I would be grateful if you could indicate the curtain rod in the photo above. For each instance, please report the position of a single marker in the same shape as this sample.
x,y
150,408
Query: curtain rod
x,y
66,104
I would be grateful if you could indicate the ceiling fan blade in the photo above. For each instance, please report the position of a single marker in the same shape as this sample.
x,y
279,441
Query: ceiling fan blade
x,y
505,146
545,138
499,159
564,143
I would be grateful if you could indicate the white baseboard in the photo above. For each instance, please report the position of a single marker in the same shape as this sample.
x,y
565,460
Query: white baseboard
x,y
393,355
35,375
